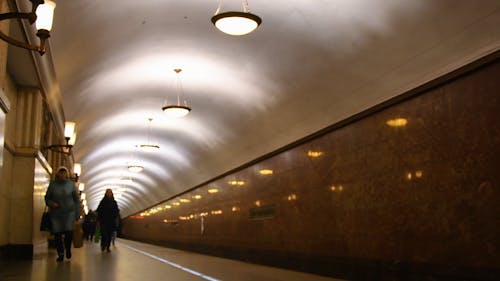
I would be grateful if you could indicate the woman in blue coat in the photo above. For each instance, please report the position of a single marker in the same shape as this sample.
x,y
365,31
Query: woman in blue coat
x,y
64,209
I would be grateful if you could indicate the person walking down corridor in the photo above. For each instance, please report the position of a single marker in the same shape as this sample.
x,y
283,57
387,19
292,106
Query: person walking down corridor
x,y
90,222
107,214
64,210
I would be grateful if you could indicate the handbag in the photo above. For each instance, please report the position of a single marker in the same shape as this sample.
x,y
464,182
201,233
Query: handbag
x,y
97,235
46,223
77,234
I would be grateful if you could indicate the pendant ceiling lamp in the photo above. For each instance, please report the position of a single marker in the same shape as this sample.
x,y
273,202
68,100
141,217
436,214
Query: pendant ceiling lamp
x,y
149,147
126,179
236,23
177,110
135,168
133,165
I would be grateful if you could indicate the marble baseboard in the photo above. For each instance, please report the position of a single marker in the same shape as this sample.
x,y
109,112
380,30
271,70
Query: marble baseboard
x,y
8,252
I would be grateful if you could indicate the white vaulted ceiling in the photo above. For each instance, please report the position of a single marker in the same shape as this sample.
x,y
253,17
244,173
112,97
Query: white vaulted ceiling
x,y
310,64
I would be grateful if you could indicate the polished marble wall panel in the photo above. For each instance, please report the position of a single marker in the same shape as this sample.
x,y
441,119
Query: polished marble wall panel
x,y
41,183
415,182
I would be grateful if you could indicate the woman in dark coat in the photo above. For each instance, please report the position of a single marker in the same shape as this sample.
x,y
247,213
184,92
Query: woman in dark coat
x,y
107,214
64,210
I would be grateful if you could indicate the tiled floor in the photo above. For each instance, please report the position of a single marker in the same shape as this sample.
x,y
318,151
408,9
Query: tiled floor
x,y
133,261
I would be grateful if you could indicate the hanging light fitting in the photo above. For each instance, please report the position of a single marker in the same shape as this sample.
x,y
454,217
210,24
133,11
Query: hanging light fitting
x,y
148,147
177,110
133,165
236,23
135,168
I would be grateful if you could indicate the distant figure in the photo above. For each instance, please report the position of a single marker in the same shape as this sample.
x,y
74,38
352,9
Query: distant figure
x,y
89,224
64,209
107,214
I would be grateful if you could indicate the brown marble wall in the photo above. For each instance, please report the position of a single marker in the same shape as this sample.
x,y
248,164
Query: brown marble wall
x,y
415,183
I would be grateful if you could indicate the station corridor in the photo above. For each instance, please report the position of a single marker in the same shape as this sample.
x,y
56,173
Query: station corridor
x,y
134,261
353,139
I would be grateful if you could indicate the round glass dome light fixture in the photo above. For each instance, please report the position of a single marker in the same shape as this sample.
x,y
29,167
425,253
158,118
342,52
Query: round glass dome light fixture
x,y
176,110
149,147
236,23
126,179
135,168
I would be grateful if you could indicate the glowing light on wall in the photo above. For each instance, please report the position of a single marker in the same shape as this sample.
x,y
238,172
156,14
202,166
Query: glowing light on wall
x,y
338,188
236,183
213,190
397,122
314,154
266,172
216,212
416,175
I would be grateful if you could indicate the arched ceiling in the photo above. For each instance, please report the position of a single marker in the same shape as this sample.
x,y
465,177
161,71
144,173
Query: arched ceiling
x,y
310,64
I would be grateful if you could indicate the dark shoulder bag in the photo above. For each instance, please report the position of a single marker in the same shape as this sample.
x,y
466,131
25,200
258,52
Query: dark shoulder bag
x,y
46,224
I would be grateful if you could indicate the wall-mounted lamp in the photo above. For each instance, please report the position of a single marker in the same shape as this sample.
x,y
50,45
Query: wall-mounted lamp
x,y
42,13
69,136
77,170
236,23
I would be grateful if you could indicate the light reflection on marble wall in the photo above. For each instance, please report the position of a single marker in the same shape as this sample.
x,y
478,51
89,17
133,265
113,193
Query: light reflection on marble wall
x,y
2,130
4,191
416,182
41,182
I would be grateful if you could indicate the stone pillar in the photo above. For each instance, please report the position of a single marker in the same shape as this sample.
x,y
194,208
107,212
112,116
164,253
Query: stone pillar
x,y
24,201
4,27
5,180
5,168
24,173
